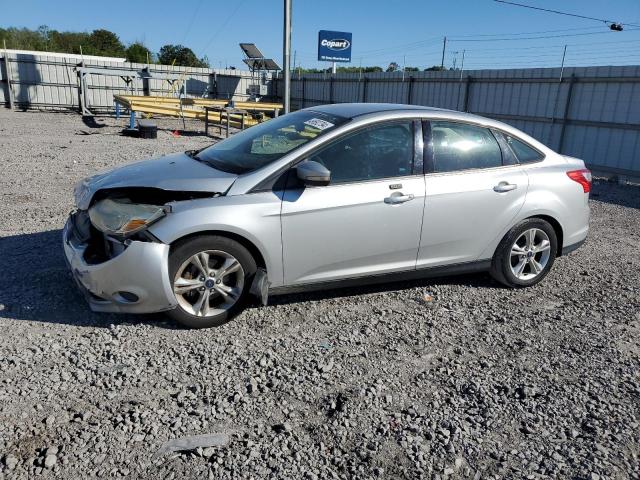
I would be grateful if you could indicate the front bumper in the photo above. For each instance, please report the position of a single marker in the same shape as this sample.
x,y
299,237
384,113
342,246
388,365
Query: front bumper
x,y
141,269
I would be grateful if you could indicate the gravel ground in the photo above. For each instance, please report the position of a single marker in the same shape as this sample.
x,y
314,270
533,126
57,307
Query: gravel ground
x,y
446,378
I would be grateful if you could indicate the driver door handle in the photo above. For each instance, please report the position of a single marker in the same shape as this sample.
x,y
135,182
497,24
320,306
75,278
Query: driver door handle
x,y
398,197
504,187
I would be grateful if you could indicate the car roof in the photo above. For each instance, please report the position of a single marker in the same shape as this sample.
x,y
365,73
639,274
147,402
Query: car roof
x,y
352,110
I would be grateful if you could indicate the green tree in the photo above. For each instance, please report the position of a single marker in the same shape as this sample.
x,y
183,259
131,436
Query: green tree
x,y
99,42
358,69
181,55
393,67
411,69
22,39
69,42
104,42
137,53
45,35
434,68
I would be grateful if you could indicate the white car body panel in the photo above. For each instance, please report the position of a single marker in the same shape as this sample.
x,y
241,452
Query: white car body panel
x,y
344,231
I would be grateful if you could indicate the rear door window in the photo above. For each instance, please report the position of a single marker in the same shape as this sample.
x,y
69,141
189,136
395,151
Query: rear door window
x,y
523,152
459,146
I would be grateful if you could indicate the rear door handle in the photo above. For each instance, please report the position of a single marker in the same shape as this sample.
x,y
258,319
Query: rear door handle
x,y
398,197
504,187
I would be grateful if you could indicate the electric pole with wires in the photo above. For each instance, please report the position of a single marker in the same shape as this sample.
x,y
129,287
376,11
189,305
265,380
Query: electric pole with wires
x,y
286,53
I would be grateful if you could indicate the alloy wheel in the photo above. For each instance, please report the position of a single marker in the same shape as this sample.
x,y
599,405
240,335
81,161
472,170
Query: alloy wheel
x,y
209,283
530,254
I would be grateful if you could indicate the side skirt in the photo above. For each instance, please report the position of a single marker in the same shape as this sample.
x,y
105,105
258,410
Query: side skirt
x,y
446,270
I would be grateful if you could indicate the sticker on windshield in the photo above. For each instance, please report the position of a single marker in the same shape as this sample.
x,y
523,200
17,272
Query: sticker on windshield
x,y
319,123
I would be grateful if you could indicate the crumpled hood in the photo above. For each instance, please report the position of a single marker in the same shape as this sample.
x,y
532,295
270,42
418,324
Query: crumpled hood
x,y
176,172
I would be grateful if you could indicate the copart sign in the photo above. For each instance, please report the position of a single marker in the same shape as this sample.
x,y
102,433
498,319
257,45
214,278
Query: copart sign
x,y
334,46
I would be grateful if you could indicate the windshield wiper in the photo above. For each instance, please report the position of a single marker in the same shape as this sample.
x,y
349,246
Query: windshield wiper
x,y
193,154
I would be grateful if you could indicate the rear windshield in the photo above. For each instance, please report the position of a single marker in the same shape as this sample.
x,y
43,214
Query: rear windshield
x,y
267,142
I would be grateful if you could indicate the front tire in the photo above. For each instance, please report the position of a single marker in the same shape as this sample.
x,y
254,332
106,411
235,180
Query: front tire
x,y
210,277
526,254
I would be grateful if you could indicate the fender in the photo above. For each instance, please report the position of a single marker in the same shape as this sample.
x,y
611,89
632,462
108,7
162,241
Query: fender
x,y
254,217
538,202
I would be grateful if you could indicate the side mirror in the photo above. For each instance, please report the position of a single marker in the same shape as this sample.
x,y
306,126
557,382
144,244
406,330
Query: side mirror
x,y
313,173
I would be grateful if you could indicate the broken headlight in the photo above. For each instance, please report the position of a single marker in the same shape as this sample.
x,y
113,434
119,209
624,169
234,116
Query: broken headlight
x,y
122,218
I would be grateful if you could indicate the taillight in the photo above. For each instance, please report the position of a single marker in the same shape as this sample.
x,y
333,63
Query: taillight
x,y
583,177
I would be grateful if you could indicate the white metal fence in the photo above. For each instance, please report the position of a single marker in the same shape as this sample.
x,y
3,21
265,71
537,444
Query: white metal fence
x,y
51,82
589,112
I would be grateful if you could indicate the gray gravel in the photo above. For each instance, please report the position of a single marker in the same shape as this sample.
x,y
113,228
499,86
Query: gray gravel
x,y
447,378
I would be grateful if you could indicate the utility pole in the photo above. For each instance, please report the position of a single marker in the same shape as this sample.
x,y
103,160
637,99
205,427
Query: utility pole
x,y
444,48
404,65
564,54
286,53
462,67
7,69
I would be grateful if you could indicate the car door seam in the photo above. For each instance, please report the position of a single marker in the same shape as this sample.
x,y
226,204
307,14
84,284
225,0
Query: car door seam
x,y
424,206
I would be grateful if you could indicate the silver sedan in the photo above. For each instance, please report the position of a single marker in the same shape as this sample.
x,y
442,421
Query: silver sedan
x,y
325,196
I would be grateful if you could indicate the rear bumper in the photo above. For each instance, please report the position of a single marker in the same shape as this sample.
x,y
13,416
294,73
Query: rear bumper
x,y
141,269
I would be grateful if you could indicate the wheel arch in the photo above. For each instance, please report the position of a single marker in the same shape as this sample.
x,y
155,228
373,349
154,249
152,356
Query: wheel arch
x,y
245,242
557,228
553,221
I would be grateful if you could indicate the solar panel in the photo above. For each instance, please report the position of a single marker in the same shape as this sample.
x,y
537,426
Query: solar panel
x,y
261,64
270,64
251,51
251,62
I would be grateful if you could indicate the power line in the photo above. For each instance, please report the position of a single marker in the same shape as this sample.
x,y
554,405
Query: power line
x,y
536,47
569,58
525,33
193,18
541,63
376,56
482,54
224,24
609,22
436,40
537,37
405,45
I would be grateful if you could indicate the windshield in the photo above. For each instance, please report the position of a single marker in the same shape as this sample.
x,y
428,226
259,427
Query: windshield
x,y
262,144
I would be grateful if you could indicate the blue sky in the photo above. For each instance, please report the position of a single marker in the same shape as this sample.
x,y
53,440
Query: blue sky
x,y
493,35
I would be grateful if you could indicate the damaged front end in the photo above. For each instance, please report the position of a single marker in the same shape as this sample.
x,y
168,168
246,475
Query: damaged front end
x,y
117,275
116,262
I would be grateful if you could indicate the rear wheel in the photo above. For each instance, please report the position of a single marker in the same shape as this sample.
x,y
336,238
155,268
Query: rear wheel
x,y
210,277
525,255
